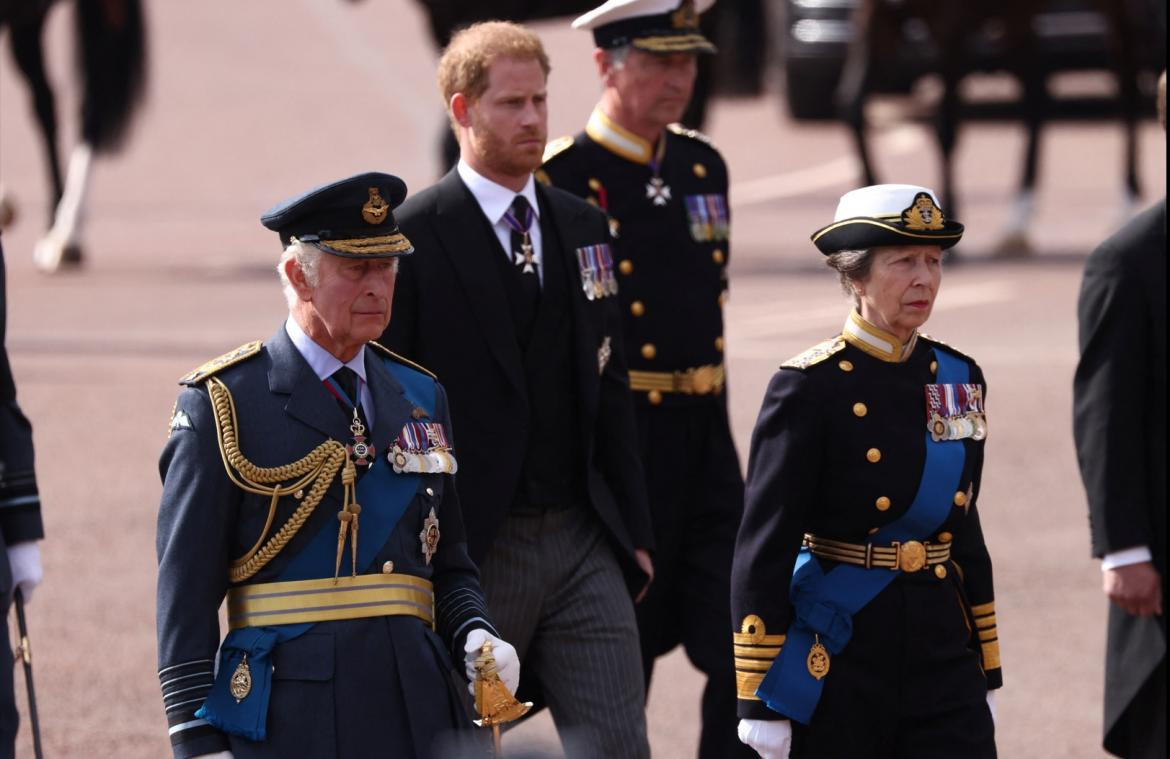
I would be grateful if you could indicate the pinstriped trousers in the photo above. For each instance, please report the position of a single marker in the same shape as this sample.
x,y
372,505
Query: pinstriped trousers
x,y
556,593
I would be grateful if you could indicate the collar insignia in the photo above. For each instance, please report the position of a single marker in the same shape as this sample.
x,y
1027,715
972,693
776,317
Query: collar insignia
x,y
923,214
374,211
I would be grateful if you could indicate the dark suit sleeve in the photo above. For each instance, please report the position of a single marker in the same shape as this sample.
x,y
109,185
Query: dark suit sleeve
x,y
783,469
400,334
460,606
198,507
1109,412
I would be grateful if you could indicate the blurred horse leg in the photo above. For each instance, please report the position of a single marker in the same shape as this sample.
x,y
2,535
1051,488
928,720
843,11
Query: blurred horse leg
x,y
856,81
60,245
1123,58
25,34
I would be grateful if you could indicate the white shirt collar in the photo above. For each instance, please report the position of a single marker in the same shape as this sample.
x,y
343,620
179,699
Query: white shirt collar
x,y
495,199
322,362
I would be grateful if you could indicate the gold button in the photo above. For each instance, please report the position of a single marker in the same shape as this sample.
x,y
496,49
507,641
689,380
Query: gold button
x,y
960,498
846,366
859,409
649,351
719,344
872,530
940,571
933,367
723,299
430,491
654,397
626,266
594,184
873,455
388,567
717,256
700,170
299,494
637,309
882,503
945,537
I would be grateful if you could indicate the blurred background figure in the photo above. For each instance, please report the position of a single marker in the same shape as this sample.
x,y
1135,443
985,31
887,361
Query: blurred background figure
x,y
1119,404
110,38
20,518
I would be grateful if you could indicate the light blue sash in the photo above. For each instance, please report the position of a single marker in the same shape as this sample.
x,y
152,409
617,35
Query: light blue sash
x,y
383,496
825,602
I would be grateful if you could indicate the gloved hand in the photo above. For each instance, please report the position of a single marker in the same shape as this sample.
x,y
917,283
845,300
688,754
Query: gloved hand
x,y
216,755
991,706
507,662
770,738
25,561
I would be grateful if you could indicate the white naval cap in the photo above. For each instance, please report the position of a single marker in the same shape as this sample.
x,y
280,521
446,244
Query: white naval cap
x,y
887,214
657,26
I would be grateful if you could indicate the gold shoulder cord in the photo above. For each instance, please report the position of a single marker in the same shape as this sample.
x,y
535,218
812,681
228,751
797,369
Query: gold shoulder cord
x,y
318,467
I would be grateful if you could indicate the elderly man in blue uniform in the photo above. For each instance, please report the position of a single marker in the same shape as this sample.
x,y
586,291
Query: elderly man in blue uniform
x,y
309,479
664,189
20,517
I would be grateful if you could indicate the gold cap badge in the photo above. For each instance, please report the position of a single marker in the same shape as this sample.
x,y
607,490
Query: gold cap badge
x,y
375,209
923,214
684,17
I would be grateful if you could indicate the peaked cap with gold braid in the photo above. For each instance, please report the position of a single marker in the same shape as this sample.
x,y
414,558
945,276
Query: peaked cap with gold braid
x,y
887,214
351,218
656,26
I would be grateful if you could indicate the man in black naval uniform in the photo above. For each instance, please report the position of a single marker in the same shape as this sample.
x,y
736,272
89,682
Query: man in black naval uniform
x,y
20,517
309,479
1119,405
665,191
511,300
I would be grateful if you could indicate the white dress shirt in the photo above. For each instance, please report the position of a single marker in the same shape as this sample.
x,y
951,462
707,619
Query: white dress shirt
x,y
495,200
324,364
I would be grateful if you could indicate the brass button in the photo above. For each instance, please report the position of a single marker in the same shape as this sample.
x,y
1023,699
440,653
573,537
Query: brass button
x,y
388,567
700,170
873,455
882,503
430,491
940,571
637,309
649,351
594,184
945,537
299,494
719,344
960,498
723,299
859,409
717,256
626,266
933,367
654,397
846,366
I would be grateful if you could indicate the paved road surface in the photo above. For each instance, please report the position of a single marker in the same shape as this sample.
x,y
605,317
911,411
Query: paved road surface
x,y
253,101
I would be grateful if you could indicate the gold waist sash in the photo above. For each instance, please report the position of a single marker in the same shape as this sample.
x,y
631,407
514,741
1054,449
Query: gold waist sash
x,y
698,380
286,603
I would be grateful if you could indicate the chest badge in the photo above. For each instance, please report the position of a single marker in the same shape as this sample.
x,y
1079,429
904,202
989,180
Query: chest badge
x,y
429,537
359,450
955,412
658,191
241,682
818,660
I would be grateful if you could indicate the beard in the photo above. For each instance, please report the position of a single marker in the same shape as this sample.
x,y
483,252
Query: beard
x,y
503,157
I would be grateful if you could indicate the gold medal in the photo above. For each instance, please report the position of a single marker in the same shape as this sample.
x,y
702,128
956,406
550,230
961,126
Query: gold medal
x,y
818,660
241,682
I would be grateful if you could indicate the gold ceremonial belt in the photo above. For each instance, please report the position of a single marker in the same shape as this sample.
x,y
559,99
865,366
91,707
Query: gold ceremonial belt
x,y
287,603
910,556
698,380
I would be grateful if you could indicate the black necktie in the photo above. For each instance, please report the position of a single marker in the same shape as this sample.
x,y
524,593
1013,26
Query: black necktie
x,y
347,380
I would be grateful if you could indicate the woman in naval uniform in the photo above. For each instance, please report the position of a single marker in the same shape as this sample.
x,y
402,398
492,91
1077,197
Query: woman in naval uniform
x,y
861,590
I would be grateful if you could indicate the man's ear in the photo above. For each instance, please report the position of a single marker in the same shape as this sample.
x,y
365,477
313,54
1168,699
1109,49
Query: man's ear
x,y
298,280
460,107
604,65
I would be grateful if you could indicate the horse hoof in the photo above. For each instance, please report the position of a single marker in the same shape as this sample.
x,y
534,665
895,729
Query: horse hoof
x,y
1013,245
51,255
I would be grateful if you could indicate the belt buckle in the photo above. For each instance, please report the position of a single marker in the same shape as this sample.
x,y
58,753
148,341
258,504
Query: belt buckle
x,y
910,556
702,379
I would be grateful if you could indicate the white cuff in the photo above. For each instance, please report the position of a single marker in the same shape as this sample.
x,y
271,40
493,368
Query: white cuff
x,y
1124,557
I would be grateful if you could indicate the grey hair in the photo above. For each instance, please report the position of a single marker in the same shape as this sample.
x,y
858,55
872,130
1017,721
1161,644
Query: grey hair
x,y
619,55
851,266
308,257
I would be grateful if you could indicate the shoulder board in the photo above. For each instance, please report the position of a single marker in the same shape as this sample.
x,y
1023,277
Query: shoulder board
x,y
216,365
404,361
950,348
815,354
556,147
694,134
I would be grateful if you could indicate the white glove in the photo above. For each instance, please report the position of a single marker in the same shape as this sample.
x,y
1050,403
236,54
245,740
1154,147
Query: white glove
x,y
770,738
991,706
216,755
25,561
507,662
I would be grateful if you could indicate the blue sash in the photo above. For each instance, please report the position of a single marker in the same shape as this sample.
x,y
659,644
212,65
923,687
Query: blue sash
x,y
825,602
383,496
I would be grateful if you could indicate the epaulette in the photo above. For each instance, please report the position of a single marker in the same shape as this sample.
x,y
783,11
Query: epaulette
x,y
216,365
951,348
694,134
556,147
815,354
404,361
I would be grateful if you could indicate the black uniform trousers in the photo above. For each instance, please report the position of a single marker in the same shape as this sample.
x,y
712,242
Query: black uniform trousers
x,y
696,500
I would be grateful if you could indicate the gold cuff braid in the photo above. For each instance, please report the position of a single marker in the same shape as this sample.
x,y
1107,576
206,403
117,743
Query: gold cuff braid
x,y
754,651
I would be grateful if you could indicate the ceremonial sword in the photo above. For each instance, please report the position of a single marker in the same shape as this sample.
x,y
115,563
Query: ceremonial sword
x,y
24,653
